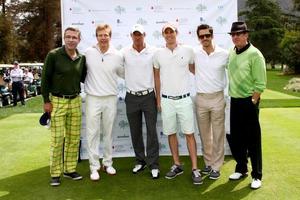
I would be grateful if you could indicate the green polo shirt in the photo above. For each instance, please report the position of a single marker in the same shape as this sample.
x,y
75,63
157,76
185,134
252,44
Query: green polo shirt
x,y
62,75
246,72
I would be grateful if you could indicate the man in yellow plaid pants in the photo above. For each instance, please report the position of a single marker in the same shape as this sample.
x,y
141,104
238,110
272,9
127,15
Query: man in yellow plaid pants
x,y
63,71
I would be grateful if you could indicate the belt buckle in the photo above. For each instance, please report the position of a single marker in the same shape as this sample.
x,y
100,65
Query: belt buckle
x,y
139,93
145,92
174,97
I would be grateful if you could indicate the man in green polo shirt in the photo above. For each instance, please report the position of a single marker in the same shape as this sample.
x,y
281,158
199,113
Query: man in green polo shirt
x,y
247,80
63,71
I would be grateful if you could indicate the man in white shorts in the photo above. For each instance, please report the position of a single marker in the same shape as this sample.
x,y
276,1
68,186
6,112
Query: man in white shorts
x,y
172,66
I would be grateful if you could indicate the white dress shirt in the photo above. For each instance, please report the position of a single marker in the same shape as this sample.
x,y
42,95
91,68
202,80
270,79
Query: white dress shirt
x,y
210,72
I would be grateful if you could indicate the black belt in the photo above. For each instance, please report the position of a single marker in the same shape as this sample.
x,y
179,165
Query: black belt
x,y
176,97
73,96
140,93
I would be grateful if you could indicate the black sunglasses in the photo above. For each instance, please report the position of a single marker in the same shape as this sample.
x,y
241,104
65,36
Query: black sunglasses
x,y
204,36
237,34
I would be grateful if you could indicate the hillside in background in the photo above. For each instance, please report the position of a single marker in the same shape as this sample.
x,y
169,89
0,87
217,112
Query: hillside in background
x,y
286,6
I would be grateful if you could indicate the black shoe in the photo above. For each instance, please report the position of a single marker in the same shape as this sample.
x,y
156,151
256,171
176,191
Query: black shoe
x,y
206,170
55,181
214,174
73,175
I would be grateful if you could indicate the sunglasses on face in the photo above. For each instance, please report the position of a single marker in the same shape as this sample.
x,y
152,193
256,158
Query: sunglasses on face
x,y
204,36
236,34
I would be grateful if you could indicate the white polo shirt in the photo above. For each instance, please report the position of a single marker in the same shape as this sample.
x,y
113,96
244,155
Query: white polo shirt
x,y
102,71
16,75
210,72
174,69
138,68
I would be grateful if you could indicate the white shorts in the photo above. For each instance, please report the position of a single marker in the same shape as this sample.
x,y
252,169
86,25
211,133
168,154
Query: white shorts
x,y
177,111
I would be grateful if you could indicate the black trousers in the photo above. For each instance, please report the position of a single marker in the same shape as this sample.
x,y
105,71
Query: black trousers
x,y
245,136
18,88
136,107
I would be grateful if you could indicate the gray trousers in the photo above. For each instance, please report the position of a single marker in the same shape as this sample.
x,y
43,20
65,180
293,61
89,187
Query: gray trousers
x,y
136,106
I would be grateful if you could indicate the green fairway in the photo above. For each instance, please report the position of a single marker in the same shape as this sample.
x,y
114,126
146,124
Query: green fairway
x,y
271,94
275,99
24,170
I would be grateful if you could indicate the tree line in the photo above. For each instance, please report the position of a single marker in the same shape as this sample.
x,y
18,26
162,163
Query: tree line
x,y
29,29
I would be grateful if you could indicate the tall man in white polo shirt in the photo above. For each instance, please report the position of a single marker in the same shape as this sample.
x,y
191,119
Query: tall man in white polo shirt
x,y
104,65
210,63
172,77
140,100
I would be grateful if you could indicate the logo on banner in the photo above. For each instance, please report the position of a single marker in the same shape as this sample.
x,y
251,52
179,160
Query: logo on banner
x,y
139,9
141,21
121,87
76,10
123,124
157,35
182,21
221,20
119,148
162,135
119,10
157,8
186,9
162,146
77,24
201,8
97,22
202,19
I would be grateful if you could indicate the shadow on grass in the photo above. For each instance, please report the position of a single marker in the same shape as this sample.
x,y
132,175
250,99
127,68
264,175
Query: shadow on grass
x,y
228,191
34,185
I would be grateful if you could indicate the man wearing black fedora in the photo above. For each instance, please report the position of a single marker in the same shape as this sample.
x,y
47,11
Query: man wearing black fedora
x,y
247,80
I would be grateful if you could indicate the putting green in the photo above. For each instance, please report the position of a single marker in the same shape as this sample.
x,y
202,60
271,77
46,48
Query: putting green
x,y
271,94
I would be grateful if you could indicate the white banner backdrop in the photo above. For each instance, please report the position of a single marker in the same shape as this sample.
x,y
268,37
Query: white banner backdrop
x,y
152,14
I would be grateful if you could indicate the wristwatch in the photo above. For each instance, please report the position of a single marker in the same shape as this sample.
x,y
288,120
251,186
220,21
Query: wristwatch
x,y
253,101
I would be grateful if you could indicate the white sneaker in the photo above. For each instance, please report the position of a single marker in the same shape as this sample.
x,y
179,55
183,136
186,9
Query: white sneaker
x,y
110,170
236,176
155,173
137,168
256,183
94,176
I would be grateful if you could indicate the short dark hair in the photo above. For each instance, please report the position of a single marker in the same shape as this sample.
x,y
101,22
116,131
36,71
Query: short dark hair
x,y
204,26
73,29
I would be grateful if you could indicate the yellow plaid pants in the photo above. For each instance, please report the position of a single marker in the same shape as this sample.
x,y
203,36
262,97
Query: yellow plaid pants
x,y
65,135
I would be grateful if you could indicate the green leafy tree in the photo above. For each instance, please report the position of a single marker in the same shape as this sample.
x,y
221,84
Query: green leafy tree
x,y
37,26
290,44
297,5
6,35
264,19
291,50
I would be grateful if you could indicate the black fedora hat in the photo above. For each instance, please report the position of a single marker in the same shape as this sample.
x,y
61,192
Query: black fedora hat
x,y
238,27
45,119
